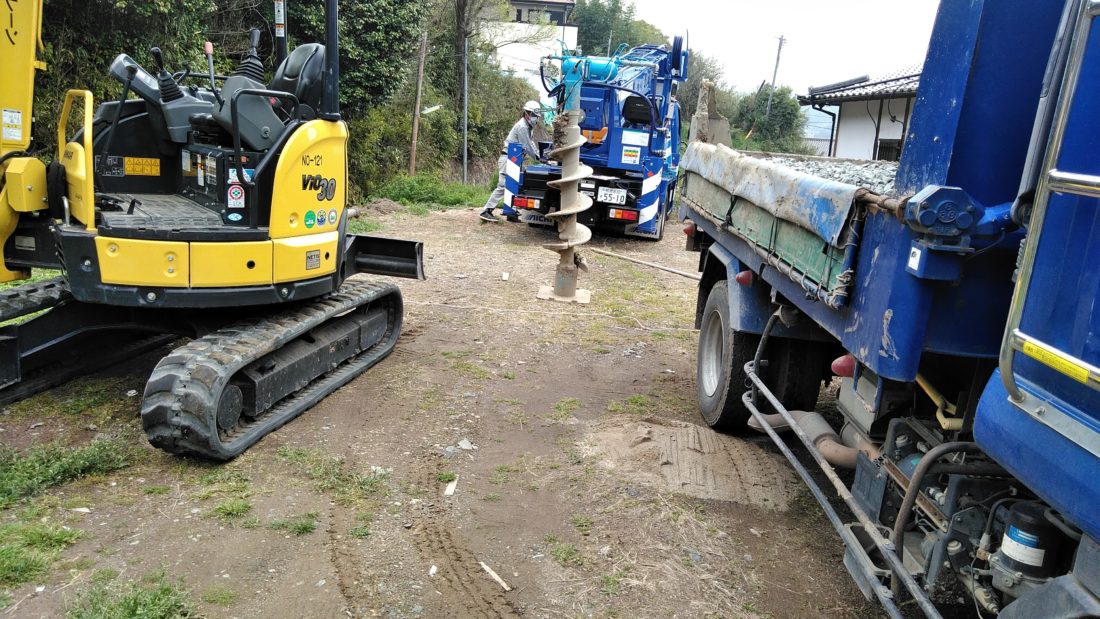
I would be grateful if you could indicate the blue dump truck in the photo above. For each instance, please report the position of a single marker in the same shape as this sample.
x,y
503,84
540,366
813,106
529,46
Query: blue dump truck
x,y
961,315
632,126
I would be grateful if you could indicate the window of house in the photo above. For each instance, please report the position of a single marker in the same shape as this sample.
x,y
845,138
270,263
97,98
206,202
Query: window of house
x,y
557,18
889,150
519,14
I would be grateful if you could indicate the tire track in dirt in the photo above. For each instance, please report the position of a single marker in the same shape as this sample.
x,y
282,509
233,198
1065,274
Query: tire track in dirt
x,y
344,563
468,591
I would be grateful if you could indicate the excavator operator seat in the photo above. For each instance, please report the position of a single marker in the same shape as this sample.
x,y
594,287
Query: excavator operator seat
x,y
302,75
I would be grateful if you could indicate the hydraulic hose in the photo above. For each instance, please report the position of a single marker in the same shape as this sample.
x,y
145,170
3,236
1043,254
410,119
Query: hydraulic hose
x,y
913,491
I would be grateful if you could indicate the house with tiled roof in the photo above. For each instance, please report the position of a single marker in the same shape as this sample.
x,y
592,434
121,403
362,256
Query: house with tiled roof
x,y
869,117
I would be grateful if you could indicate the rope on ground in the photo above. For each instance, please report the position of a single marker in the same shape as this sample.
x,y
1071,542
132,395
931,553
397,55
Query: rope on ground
x,y
499,310
654,265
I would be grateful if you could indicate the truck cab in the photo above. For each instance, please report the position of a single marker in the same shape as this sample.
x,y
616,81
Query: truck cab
x,y
631,121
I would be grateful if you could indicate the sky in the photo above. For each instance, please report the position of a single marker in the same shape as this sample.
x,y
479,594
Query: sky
x,y
827,41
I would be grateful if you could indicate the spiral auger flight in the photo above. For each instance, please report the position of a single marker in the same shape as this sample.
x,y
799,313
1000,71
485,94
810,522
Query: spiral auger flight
x,y
571,234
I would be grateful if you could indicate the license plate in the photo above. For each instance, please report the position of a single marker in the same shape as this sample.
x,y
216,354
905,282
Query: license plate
x,y
611,195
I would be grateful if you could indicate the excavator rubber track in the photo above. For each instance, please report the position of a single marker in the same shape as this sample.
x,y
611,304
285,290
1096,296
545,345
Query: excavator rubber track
x,y
210,396
19,301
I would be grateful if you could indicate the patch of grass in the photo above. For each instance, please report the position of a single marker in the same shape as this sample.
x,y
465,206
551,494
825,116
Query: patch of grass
x,y
601,350
502,474
446,477
76,565
361,225
5,599
154,598
360,531
470,369
20,565
331,476
634,405
564,409
219,596
28,550
95,399
252,522
583,524
508,375
610,584
431,398
26,474
104,575
491,497
424,189
231,509
564,554
297,525
156,490
224,482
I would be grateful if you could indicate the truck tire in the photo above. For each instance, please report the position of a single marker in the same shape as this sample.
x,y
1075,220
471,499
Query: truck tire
x,y
720,363
794,372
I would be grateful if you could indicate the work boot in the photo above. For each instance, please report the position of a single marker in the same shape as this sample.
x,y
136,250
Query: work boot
x,y
487,215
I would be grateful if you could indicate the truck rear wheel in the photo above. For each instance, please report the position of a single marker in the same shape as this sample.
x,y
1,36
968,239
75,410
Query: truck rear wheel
x,y
720,363
794,372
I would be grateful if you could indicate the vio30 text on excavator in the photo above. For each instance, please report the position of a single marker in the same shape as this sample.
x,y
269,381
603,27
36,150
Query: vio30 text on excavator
x,y
206,207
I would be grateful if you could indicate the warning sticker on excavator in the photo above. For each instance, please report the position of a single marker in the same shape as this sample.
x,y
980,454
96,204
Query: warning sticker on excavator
x,y
235,196
141,166
1056,362
13,125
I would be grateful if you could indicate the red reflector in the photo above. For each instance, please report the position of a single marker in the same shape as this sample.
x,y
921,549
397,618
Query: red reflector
x,y
625,215
689,228
520,202
844,366
744,278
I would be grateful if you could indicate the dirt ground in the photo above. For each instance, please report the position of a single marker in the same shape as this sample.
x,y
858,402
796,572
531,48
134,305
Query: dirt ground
x,y
582,474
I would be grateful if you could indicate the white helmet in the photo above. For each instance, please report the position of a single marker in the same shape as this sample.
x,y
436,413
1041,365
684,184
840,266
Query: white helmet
x,y
532,106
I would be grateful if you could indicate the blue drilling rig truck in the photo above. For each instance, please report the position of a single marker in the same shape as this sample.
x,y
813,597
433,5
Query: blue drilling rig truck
x,y
631,124
960,317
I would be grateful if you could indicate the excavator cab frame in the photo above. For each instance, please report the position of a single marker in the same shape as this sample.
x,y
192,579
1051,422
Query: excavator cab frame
x,y
215,214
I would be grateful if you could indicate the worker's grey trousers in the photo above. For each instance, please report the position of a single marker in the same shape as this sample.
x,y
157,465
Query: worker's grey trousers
x,y
498,193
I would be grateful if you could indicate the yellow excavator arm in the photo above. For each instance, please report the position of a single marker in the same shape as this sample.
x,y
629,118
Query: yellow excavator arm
x,y
22,177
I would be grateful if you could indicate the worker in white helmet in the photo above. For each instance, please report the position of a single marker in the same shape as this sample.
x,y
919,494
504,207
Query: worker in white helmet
x,y
520,134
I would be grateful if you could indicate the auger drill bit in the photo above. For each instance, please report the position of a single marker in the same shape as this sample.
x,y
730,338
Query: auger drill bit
x,y
567,150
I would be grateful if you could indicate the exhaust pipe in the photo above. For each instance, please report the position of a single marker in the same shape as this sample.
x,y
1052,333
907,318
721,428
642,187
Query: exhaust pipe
x,y
836,451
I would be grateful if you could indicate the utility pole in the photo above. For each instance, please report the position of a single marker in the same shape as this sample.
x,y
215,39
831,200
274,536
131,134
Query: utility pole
x,y
465,109
416,106
610,34
768,111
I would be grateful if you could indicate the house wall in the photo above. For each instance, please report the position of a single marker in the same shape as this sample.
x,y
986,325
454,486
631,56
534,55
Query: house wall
x,y
537,41
856,126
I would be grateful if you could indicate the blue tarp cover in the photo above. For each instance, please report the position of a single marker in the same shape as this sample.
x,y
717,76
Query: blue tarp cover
x,y
816,204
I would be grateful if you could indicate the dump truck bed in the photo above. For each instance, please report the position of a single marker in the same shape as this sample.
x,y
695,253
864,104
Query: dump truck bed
x,y
839,252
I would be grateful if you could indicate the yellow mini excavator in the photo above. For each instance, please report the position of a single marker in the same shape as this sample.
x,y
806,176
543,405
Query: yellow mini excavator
x,y
204,207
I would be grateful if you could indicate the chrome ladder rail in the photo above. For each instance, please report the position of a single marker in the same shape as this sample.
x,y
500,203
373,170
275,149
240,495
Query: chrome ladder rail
x,y
1052,181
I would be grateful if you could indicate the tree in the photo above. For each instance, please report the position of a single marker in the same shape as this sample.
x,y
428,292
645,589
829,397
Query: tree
x,y
700,68
779,131
377,40
601,21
